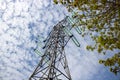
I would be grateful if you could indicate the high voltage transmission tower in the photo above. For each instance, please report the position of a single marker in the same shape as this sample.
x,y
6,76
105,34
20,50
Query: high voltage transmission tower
x,y
53,64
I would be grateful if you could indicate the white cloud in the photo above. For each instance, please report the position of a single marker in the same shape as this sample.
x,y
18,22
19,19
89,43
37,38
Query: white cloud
x,y
3,5
22,21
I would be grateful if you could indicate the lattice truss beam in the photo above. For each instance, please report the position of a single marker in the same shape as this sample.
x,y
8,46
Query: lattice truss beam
x,y
53,64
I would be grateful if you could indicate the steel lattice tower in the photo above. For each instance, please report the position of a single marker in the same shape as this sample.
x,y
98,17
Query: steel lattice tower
x,y
53,64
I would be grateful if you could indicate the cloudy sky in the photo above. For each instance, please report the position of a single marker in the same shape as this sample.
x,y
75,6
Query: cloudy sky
x,y
21,21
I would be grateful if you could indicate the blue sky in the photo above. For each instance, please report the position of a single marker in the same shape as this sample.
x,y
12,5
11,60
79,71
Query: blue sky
x,y
21,21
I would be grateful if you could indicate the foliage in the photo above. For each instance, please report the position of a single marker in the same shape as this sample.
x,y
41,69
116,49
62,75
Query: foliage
x,y
113,63
103,18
